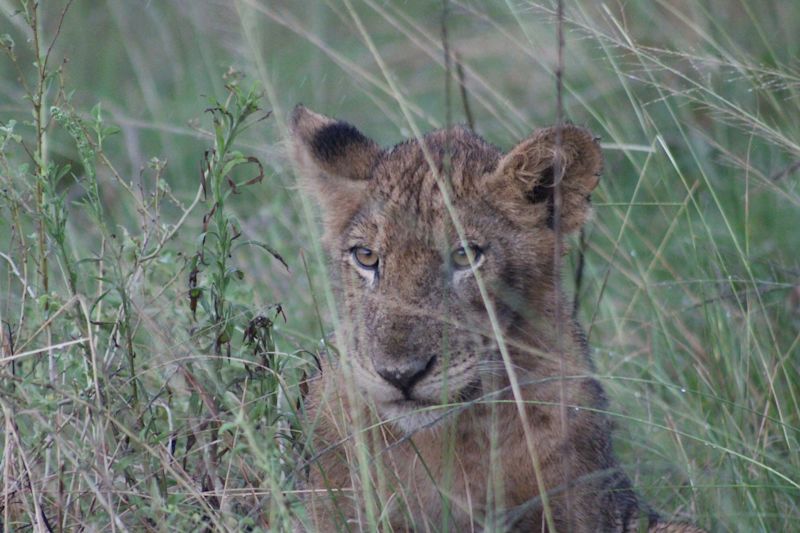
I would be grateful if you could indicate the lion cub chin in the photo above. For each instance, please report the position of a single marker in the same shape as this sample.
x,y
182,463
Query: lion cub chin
x,y
410,418
448,407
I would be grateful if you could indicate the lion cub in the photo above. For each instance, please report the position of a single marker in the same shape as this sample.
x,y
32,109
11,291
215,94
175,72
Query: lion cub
x,y
442,253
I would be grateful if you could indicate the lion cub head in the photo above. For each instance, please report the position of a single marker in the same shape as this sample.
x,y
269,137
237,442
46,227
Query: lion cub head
x,y
423,234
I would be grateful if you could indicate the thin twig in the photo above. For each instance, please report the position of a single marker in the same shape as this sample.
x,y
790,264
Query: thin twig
x,y
464,95
19,276
174,229
559,171
448,112
58,31
785,172
14,357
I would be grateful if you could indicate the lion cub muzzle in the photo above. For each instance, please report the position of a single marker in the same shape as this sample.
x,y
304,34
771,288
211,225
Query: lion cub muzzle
x,y
406,374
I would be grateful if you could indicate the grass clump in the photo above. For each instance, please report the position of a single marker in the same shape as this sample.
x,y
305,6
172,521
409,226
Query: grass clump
x,y
148,379
138,383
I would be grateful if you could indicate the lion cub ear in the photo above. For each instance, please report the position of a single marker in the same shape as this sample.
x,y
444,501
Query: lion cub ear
x,y
334,160
528,174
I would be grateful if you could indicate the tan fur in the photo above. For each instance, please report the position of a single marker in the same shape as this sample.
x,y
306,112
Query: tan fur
x,y
453,450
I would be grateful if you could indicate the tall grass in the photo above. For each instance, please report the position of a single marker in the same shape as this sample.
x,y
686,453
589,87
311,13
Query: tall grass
x,y
151,360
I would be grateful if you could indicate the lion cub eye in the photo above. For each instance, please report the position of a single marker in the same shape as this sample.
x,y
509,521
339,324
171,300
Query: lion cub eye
x,y
460,256
365,257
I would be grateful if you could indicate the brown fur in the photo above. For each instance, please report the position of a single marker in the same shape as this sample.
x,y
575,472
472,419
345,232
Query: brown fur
x,y
453,449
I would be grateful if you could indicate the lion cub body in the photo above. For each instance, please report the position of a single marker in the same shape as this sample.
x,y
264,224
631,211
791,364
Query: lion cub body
x,y
464,386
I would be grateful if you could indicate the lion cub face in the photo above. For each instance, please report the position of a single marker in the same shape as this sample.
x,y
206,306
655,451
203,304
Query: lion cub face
x,y
422,235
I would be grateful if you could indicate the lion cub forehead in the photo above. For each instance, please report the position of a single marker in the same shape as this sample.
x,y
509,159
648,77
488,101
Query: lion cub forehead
x,y
404,177
390,226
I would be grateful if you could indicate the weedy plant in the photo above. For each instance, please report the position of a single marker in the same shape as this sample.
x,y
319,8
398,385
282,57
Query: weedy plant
x,y
138,383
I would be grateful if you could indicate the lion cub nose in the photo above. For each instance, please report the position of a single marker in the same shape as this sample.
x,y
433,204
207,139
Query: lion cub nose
x,y
407,374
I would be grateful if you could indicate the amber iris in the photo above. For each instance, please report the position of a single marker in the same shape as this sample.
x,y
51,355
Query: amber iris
x,y
460,256
365,257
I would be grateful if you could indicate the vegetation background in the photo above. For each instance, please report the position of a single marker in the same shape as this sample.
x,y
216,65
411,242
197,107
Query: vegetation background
x,y
152,340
